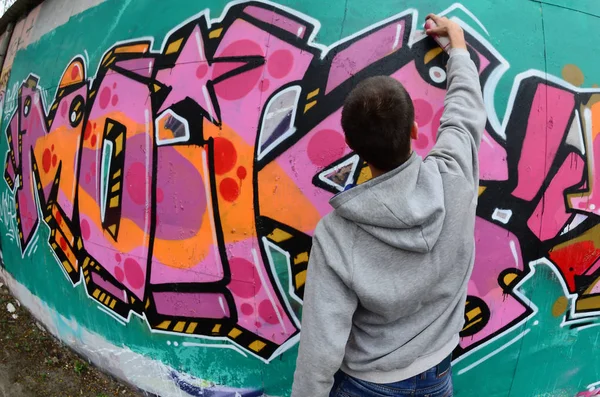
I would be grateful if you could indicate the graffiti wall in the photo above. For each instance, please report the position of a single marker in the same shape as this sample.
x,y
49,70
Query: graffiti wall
x,y
164,175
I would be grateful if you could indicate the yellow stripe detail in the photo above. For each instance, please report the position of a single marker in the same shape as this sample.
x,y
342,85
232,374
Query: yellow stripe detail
x,y
234,333
279,235
114,202
471,314
106,57
313,93
191,328
301,258
216,328
215,33
67,266
102,296
174,46
179,326
309,105
431,54
300,279
113,303
164,325
132,48
119,144
115,187
109,127
257,345
472,324
96,293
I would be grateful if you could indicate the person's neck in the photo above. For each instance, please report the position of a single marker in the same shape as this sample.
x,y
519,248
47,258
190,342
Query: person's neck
x,y
375,172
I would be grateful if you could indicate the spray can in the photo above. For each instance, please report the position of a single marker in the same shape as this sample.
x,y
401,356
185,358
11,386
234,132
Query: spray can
x,y
443,41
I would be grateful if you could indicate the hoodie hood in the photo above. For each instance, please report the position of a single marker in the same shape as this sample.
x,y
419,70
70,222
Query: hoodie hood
x,y
403,208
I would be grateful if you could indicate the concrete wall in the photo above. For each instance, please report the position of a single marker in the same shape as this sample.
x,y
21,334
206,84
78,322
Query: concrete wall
x,y
167,162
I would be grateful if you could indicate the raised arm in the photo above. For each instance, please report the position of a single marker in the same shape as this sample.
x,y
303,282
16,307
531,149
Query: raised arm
x,y
464,117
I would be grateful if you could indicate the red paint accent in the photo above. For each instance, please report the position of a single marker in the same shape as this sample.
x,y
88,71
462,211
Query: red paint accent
x,y
325,147
58,218
136,182
74,72
422,141
267,312
280,63
247,309
133,273
229,189
62,243
46,160
435,123
85,230
225,155
240,85
54,160
242,173
88,131
104,97
119,275
63,109
423,112
160,196
94,140
245,281
577,256
201,70
118,257
264,85
115,100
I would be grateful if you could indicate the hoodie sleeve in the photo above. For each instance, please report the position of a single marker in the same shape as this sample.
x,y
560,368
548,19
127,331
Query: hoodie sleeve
x,y
329,304
463,120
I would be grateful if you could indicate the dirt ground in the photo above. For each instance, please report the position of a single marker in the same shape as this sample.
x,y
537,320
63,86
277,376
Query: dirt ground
x,y
34,364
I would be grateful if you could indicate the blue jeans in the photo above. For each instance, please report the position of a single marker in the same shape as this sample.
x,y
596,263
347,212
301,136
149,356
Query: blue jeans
x,y
435,382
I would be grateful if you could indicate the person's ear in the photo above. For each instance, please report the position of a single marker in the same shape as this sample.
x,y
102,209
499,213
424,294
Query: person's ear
x,y
414,131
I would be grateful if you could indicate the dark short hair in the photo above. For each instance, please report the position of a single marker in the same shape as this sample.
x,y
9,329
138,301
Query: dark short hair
x,y
377,119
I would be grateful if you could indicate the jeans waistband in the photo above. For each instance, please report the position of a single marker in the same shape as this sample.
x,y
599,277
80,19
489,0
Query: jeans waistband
x,y
444,366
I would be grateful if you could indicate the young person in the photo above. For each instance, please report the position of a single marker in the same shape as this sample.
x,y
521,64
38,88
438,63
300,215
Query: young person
x,y
388,272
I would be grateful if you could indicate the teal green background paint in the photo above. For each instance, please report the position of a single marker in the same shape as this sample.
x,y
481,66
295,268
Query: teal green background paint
x,y
549,360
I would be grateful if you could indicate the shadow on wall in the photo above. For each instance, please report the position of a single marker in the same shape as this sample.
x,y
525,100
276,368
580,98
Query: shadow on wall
x,y
171,179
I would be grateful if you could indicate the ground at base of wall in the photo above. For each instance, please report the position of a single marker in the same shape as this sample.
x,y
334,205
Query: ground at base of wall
x,y
34,364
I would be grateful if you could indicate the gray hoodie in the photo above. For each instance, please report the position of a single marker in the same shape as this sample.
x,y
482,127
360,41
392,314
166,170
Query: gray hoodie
x,y
388,271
